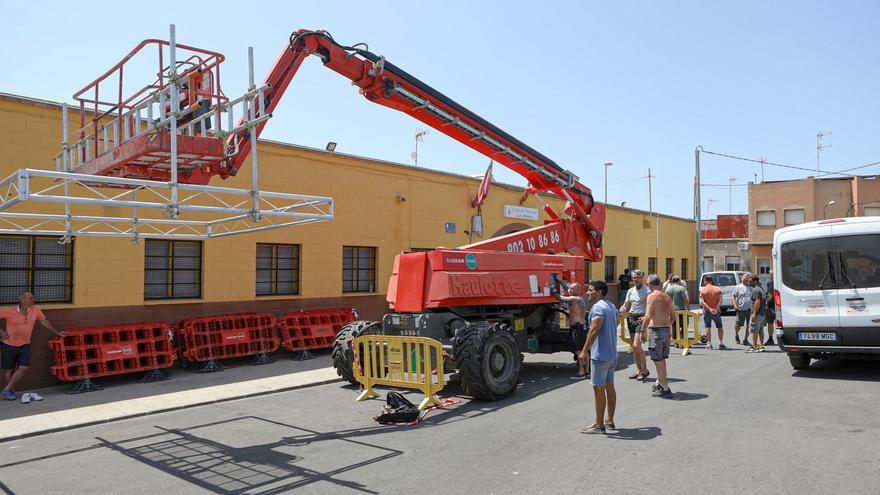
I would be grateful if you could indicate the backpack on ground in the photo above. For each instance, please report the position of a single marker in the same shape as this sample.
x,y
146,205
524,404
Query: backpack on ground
x,y
397,410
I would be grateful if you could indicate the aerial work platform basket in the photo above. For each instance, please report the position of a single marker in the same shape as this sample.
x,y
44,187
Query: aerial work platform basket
x,y
143,155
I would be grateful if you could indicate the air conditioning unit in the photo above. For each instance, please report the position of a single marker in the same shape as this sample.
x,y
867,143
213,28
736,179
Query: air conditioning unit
x,y
742,246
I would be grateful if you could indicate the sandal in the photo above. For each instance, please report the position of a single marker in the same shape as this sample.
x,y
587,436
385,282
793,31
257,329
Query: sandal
x,y
609,425
634,375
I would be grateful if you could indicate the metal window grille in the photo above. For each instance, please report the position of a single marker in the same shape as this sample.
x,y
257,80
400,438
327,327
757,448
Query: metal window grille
x,y
172,269
652,265
277,269
36,264
684,268
358,269
632,263
610,268
669,266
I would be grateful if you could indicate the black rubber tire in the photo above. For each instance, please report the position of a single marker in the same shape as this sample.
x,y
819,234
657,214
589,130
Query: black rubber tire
x,y
343,357
799,361
488,361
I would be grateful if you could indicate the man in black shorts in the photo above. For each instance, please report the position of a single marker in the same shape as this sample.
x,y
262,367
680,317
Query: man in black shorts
x,y
576,310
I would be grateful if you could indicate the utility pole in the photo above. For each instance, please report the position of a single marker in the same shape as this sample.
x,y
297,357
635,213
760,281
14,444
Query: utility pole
x,y
607,164
699,220
650,196
730,198
420,136
819,147
763,161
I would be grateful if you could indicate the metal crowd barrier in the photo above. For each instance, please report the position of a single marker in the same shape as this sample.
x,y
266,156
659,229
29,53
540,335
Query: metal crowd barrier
x,y
689,325
405,362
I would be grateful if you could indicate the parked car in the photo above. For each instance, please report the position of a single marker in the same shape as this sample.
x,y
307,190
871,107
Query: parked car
x,y
726,281
827,289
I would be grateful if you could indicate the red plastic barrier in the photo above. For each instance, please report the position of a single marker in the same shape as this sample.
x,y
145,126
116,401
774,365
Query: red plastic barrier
x,y
91,352
314,328
208,338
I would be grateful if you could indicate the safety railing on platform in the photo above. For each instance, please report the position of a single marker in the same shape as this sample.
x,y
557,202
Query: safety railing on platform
x,y
310,329
394,361
86,353
208,339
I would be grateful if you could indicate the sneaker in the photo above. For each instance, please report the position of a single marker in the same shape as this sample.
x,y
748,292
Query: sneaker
x,y
709,347
594,428
665,394
25,398
609,425
655,387
751,349
579,377
722,347
761,349
737,339
8,395
769,342
36,397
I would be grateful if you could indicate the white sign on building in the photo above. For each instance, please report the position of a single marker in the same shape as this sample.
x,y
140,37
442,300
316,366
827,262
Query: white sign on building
x,y
521,212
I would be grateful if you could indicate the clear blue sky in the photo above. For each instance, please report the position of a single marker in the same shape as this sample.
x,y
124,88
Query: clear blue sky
x,y
640,84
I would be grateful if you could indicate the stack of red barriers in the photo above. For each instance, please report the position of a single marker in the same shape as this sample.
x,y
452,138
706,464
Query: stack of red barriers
x,y
313,329
89,352
206,339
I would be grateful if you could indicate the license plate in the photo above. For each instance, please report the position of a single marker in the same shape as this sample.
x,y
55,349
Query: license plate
x,y
830,336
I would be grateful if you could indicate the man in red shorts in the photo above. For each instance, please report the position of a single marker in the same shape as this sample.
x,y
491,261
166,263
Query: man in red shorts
x,y
15,340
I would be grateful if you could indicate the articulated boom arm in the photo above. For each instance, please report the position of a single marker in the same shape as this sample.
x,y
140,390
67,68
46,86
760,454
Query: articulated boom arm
x,y
383,83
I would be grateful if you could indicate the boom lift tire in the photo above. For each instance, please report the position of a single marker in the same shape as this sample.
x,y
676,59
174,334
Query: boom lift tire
x,y
488,361
342,352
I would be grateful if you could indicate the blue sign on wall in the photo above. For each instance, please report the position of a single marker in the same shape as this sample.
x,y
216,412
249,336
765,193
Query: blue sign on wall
x,y
450,228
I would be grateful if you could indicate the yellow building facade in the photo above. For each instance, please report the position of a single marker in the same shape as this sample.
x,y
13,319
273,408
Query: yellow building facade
x,y
383,206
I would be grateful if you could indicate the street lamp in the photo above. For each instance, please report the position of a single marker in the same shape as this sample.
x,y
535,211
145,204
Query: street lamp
x,y
607,164
825,209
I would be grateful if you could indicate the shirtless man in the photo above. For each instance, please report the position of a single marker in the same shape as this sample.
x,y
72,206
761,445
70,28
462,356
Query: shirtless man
x,y
576,310
659,316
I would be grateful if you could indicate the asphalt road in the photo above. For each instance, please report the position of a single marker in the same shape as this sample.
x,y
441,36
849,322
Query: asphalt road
x,y
739,423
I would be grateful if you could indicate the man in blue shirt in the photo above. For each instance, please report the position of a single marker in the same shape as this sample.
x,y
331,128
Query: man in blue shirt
x,y
601,349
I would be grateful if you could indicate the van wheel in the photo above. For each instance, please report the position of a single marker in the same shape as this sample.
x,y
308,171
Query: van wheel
x,y
799,361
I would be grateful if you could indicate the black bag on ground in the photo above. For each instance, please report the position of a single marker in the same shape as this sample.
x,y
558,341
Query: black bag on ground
x,y
397,410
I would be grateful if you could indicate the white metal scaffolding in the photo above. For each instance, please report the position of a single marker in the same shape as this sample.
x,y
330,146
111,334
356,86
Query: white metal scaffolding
x,y
68,204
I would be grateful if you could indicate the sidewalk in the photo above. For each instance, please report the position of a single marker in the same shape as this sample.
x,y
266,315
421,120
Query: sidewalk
x,y
123,397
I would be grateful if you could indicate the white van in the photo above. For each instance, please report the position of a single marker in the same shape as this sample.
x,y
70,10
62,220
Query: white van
x,y
726,281
826,277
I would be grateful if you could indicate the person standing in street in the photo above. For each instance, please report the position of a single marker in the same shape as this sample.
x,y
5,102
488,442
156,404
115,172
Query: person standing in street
x,y
634,303
759,301
770,310
624,281
15,341
576,310
680,302
741,300
710,302
658,318
601,349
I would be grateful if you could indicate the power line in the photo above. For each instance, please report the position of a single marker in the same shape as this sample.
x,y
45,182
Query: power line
x,y
628,180
794,167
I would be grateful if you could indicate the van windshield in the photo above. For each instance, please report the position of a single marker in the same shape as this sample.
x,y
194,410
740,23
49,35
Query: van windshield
x,y
860,260
805,264
724,279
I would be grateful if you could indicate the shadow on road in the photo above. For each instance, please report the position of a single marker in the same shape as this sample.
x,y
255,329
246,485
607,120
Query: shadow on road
x,y
265,468
682,396
842,369
646,433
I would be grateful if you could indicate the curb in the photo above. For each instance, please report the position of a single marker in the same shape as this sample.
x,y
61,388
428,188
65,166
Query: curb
x,y
55,429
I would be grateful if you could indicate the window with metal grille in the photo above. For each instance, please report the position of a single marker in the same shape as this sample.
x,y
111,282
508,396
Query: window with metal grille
x,y
669,266
277,269
35,264
358,269
172,269
684,269
632,262
610,268
652,265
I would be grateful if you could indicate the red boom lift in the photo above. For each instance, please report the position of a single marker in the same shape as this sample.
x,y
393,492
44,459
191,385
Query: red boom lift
x,y
488,301
485,302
